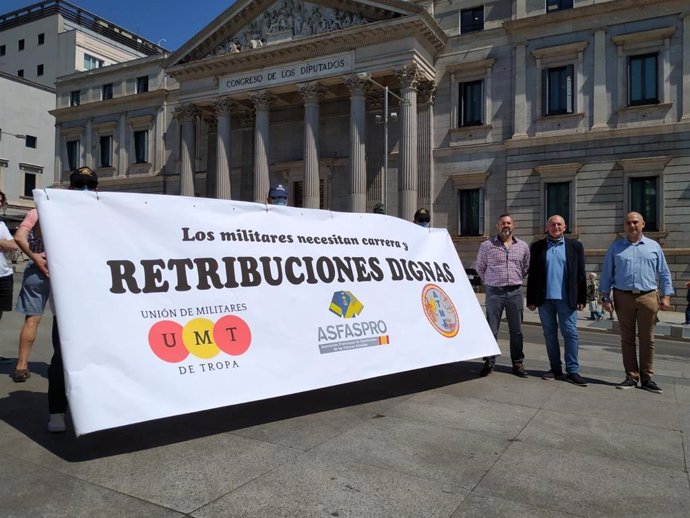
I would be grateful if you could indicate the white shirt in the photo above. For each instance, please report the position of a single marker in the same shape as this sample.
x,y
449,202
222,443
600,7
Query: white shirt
x,y
5,268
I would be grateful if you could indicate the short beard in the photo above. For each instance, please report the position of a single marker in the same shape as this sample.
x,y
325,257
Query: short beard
x,y
506,232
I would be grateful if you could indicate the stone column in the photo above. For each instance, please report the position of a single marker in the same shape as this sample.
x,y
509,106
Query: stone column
x,y
223,152
409,77
88,144
262,104
311,93
425,98
211,124
520,8
358,168
247,124
57,172
122,157
686,68
187,115
520,103
601,104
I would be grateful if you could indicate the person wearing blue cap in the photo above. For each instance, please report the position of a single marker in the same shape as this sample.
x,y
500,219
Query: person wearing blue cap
x,y
277,195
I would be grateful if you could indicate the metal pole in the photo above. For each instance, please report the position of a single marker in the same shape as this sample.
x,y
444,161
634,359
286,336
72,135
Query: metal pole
x,y
385,151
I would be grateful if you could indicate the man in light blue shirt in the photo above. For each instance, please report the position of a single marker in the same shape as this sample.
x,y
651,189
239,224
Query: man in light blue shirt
x,y
631,267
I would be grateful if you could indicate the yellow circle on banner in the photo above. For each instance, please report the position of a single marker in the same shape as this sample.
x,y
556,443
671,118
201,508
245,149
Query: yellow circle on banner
x,y
197,335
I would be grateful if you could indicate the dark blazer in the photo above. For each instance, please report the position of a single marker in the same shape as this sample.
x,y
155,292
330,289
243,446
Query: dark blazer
x,y
575,268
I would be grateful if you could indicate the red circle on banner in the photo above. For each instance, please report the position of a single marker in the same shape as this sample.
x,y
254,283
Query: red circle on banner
x,y
165,339
232,335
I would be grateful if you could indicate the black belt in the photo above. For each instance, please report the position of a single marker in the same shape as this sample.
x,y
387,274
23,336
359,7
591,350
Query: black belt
x,y
508,288
635,292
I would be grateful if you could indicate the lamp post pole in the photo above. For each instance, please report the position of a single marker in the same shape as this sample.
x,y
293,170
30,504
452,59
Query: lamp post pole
x,y
384,180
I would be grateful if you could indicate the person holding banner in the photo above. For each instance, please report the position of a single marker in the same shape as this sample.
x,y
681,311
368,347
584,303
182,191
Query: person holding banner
x,y
34,293
277,195
503,263
7,244
83,179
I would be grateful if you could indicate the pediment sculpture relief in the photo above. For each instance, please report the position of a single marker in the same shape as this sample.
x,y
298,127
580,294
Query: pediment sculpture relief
x,y
286,20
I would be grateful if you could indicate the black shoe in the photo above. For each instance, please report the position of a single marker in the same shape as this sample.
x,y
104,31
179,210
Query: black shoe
x,y
553,374
576,379
487,369
519,370
651,386
627,383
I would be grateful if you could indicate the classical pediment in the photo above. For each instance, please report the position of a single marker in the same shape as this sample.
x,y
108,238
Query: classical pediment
x,y
251,27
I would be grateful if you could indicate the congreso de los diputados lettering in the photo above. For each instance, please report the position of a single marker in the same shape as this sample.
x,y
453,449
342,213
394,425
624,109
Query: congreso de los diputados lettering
x,y
530,107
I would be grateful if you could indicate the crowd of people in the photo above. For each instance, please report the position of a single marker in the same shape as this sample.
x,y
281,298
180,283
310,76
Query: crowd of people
x,y
634,277
557,287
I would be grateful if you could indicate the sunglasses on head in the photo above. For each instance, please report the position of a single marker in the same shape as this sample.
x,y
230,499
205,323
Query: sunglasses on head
x,y
80,184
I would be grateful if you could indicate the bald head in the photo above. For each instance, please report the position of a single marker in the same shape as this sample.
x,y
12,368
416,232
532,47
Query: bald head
x,y
556,226
634,224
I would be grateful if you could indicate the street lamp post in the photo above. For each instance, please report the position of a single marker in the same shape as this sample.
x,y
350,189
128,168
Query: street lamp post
x,y
22,137
386,117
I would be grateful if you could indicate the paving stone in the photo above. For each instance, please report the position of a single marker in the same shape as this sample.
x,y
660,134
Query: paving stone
x,y
585,484
465,413
475,506
631,442
29,490
451,457
319,485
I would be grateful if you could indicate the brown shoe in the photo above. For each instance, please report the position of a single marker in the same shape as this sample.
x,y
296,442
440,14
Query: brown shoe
x,y
20,375
519,370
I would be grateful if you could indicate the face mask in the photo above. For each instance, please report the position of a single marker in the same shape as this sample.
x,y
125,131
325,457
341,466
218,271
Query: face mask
x,y
425,224
279,201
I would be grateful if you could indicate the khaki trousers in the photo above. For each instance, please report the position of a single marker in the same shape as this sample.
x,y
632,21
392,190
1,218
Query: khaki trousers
x,y
637,315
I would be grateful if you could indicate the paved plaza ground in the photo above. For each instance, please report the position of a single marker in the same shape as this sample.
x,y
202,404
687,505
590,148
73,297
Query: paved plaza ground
x,y
437,442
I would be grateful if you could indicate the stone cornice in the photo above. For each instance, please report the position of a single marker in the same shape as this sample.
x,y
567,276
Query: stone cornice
x,y
322,44
651,164
558,169
658,35
110,106
471,66
604,10
563,51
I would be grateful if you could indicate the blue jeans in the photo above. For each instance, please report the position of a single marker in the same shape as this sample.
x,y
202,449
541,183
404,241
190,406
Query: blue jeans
x,y
510,299
567,318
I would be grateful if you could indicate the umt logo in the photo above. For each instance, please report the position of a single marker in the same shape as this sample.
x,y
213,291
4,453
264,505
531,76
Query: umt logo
x,y
203,338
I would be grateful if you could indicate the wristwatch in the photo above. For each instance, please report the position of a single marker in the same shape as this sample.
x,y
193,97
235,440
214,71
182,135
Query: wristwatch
x,y
606,299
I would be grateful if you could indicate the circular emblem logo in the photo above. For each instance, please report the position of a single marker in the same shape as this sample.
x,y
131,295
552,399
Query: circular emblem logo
x,y
440,311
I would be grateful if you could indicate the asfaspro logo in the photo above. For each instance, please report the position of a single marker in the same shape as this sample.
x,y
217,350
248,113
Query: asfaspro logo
x,y
200,337
350,335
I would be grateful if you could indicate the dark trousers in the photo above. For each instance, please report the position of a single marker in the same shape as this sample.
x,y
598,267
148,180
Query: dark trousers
x,y
57,401
508,299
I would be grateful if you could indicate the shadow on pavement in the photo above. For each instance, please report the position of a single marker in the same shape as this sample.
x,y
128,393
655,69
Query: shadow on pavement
x,y
27,412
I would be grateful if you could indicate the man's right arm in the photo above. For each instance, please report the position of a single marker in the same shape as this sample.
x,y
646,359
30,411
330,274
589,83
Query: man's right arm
x,y
21,237
481,261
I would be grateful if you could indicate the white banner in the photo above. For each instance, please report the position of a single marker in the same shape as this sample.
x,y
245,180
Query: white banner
x,y
169,305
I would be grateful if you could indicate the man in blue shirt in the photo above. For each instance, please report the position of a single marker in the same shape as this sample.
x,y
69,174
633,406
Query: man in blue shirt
x,y
556,285
631,267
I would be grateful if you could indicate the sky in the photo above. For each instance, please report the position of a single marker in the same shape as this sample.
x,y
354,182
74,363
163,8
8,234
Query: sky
x,y
169,23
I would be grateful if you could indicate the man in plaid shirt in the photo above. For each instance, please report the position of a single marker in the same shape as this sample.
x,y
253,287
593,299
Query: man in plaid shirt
x,y
502,263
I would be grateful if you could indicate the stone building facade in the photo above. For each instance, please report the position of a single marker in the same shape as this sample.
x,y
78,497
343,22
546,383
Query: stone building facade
x,y
531,107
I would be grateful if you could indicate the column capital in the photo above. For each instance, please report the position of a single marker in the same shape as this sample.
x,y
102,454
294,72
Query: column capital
x,y
261,100
223,107
356,85
311,92
247,119
186,113
408,75
426,91
600,28
212,124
